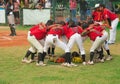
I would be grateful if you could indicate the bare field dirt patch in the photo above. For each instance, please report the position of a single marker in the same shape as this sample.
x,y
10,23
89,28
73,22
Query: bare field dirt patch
x,y
8,41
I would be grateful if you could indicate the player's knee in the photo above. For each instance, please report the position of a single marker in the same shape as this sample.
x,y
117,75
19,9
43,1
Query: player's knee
x,y
12,25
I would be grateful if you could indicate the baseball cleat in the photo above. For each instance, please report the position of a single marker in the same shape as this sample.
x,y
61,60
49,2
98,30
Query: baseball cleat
x,y
68,65
24,60
101,60
90,62
109,58
84,63
30,61
64,64
40,64
72,64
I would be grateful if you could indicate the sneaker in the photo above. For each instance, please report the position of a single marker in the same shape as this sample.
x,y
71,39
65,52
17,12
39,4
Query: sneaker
x,y
24,60
110,43
101,60
104,57
41,64
84,63
64,64
109,58
72,64
90,62
69,65
30,61
96,60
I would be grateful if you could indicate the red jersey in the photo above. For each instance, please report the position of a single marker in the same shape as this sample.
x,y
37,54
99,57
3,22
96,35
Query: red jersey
x,y
56,31
37,32
108,14
69,31
77,29
93,34
97,16
98,28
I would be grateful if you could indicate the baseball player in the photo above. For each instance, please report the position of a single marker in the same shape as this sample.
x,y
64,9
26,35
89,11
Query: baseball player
x,y
10,17
108,15
105,46
72,32
98,35
53,38
35,36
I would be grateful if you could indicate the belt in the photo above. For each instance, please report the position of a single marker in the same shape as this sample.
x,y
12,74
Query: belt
x,y
54,34
98,21
31,35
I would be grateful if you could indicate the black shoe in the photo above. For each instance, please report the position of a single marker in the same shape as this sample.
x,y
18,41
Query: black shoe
x,y
12,35
110,43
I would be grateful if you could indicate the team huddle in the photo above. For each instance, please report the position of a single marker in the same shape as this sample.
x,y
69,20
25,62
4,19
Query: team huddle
x,y
64,35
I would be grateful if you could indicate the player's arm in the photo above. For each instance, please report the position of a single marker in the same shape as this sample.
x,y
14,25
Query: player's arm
x,y
86,31
107,21
56,26
80,30
106,26
41,25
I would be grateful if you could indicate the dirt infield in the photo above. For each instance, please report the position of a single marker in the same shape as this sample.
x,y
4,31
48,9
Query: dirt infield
x,y
8,41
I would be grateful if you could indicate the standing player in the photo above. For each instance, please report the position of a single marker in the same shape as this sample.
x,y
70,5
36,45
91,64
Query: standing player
x,y
110,16
10,17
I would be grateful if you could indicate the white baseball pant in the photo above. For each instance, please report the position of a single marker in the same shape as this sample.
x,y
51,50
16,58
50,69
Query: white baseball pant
x,y
53,39
78,39
112,37
35,43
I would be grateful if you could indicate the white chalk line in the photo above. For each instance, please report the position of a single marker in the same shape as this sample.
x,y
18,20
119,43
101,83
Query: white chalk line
x,y
5,38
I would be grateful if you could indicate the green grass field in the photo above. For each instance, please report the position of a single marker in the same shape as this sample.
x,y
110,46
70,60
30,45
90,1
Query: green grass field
x,y
12,71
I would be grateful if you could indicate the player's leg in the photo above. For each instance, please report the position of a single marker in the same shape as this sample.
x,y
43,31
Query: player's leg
x,y
49,50
53,50
105,44
79,42
11,25
12,29
100,48
95,45
48,43
106,47
101,55
63,46
71,42
31,51
34,42
114,24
